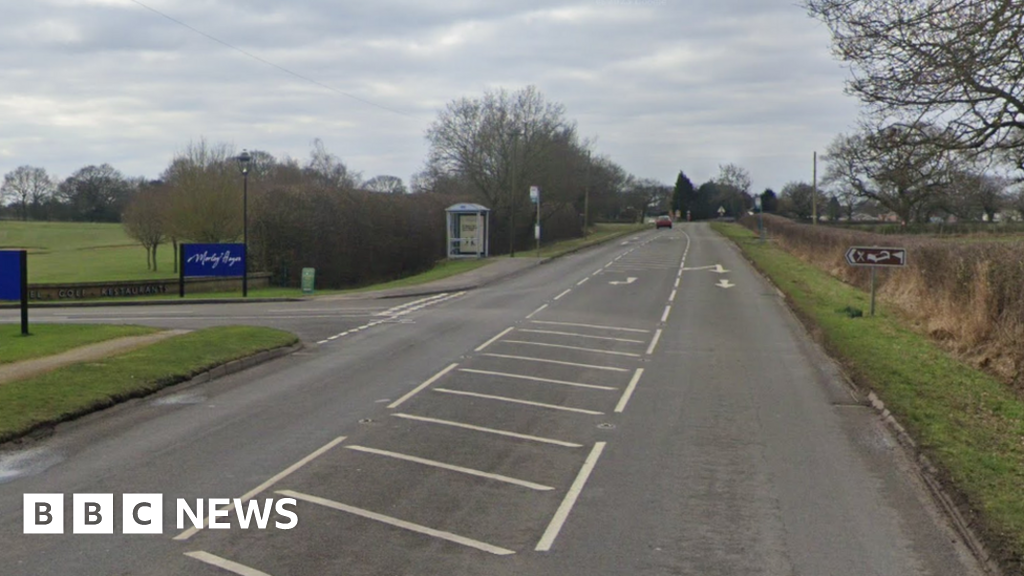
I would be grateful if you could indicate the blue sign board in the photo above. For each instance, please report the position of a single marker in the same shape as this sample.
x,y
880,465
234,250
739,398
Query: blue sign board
x,y
10,274
213,260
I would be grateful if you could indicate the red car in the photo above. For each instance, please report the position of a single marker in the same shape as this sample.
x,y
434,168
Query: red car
x,y
662,222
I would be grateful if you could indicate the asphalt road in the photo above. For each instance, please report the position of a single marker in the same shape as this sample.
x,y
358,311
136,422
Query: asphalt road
x,y
645,407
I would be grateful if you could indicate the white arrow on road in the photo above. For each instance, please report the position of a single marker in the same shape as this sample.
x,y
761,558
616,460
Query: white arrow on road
x,y
629,280
717,268
724,284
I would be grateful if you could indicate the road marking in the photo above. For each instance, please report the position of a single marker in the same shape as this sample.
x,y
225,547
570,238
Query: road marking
x,y
273,480
225,564
598,271
628,280
489,430
577,335
517,401
592,326
608,265
398,523
676,285
654,343
493,340
545,360
563,294
724,284
581,282
537,311
565,347
536,379
664,316
452,467
419,388
672,297
562,514
629,390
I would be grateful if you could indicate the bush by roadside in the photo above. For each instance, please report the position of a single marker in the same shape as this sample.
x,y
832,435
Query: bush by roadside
x,y
967,295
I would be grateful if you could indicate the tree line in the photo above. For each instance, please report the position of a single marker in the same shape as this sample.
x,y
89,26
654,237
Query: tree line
x,y
318,212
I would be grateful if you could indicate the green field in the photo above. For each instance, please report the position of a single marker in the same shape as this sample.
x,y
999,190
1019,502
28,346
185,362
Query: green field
x,y
968,423
82,252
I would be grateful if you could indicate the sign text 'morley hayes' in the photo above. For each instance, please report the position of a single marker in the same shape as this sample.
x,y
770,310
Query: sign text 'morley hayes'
x,y
143,513
215,259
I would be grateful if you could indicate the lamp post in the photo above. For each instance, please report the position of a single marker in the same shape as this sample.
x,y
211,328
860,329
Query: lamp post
x,y
243,165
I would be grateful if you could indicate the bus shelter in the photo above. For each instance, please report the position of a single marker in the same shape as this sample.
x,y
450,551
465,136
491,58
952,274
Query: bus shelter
x,y
468,228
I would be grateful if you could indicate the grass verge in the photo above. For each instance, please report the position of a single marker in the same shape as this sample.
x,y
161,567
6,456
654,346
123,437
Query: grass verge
x,y
50,339
66,393
967,422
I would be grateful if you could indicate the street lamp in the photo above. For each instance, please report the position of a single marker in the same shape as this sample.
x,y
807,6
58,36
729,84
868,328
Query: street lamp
x,y
243,165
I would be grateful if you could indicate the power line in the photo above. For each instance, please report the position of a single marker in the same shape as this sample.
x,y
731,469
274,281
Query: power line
x,y
267,62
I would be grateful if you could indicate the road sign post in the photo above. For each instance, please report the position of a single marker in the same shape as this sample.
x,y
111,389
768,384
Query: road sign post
x,y
875,257
535,198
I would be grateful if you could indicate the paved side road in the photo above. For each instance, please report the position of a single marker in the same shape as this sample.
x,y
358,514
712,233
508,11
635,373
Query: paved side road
x,y
648,407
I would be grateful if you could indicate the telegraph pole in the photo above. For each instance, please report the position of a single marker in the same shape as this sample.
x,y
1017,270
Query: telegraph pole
x,y
814,194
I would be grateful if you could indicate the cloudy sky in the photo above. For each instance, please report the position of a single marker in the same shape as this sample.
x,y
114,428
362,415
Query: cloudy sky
x,y
663,85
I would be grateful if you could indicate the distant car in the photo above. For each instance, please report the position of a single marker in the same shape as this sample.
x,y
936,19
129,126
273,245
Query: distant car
x,y
663,222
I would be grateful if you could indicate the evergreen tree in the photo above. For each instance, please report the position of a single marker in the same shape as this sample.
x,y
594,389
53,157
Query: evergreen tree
x,y
683,196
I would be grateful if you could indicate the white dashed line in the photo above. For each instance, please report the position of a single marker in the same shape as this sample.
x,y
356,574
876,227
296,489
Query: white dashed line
x,y
563,294
398,523
595,326
537,311
517,401
547,361
536,379
452,467
224,564
664,316
419,388
562,514
565,347
481,347
654,342
629,390
489,430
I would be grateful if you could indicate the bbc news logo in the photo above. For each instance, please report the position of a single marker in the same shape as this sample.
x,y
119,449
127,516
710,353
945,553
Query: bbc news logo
x,y
143,513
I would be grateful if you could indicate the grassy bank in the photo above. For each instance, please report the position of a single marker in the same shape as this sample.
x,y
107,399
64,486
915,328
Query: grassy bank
x,y
50,339
970,424
82,388
599,233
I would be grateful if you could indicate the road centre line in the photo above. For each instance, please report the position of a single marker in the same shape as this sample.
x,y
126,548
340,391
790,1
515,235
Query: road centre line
x,y
608,265
452,467
563,293
676,285
419,388
273,480
481,347
672,297
577,335
547,361
224,564
517,401
398,523
591,326
562,514
596,272
489,430
654,342
629,390
582,282
536,379
537,311
565,347
664,316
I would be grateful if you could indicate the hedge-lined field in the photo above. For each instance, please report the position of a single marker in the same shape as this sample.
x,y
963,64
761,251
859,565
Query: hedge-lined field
x,y
969,295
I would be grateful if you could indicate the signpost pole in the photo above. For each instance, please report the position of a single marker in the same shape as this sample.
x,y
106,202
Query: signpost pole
x,y
24,292
873,290
538,225
181,270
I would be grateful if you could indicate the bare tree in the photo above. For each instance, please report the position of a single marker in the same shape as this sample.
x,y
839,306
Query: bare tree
x,y
796,199
29,185
328,170
205,202
955,64
385,184
903,174
144,219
